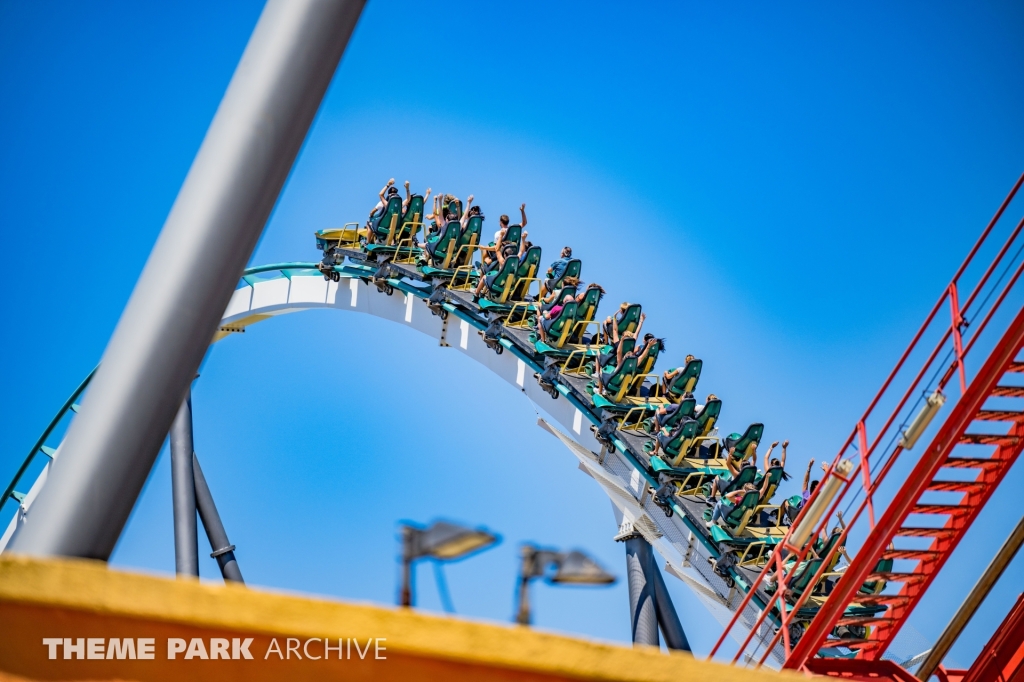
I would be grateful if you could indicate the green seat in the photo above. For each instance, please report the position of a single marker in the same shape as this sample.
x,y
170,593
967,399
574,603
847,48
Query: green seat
x,y
513,233
385,226
441,247
499,285
558,328
685,408
557,300
528,266
774,476
735,522
455,208
708,416
684,382
617,381
586,311
608,355
573,268
468,239
876,586
678,443
411,221
630,319
801,578
750,439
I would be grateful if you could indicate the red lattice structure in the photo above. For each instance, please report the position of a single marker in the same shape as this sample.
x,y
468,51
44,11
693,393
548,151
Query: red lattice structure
x,y
907,506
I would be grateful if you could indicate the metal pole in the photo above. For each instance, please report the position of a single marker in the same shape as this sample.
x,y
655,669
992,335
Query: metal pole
x,y
222,550
528,555
183,493
405,592
642,610
668,619
974,600
187,282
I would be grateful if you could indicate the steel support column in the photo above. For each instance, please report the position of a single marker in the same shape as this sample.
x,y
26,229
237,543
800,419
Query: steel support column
x,y
189,278
220,548
668,619
642,607
183,493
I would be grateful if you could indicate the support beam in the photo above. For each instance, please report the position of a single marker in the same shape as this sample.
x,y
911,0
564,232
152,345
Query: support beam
x,y
183,493
173,313
642,608
220,548
668,619
974,600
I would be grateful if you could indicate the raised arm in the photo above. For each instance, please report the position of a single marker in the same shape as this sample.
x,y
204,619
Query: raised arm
x,y
522,211
807,474
643,316
785,444
465,213
384,191
767,455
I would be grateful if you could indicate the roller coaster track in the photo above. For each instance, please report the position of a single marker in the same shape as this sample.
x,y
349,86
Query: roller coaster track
x,y
282,288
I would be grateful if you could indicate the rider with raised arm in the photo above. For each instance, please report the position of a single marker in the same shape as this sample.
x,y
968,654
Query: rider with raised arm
x,y
640,353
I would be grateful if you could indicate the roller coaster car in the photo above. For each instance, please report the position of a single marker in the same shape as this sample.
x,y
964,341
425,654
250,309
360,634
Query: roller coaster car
x,y
525,273
396,234
334,242
845,634
747,525
451,252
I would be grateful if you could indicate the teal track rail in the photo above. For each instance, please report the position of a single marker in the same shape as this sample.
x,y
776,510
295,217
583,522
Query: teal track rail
x,y
249,277
37,449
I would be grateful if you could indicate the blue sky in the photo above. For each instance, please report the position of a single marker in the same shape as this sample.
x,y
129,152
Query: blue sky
x,y
786,188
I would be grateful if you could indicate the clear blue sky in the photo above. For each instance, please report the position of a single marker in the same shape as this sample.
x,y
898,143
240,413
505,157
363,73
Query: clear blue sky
x,y
785,187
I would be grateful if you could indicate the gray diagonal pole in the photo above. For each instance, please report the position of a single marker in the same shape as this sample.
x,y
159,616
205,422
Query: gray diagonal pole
x,y
668,619
222,550
643,614
185,286
183,493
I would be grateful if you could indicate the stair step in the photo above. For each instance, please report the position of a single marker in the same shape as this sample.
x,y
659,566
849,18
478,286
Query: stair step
x,y
879,599
1016,367
950,509
999,416
910,554
925,532
894,577
988,439
863,620
1008,392
851,643
956,486
972,463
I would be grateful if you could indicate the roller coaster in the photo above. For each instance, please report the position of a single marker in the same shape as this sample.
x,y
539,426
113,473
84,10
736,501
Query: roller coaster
x,y
894,503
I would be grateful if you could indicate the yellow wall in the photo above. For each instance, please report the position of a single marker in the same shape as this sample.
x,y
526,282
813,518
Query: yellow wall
x,y
83,599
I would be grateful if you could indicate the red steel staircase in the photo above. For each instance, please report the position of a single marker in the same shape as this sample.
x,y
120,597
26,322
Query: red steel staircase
x,y
934,494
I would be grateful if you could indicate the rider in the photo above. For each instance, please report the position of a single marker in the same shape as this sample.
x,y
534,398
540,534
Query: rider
x,y
548,316
728,503
502,254
670,374
791,506
734,462
555,271
639,353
